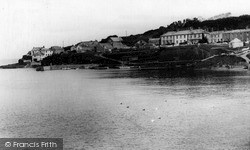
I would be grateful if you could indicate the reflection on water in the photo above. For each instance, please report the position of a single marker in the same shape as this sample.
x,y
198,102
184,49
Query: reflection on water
x,y
128,109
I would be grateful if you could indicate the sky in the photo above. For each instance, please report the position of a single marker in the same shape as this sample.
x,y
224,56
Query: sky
x,y
32,23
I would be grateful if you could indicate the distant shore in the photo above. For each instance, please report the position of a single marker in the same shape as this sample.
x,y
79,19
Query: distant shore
x,y
13,66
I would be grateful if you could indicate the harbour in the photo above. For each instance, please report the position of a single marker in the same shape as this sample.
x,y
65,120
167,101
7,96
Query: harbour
x,y
128,109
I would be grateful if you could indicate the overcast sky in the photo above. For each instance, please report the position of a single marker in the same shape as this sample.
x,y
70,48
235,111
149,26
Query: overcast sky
x,y
28,23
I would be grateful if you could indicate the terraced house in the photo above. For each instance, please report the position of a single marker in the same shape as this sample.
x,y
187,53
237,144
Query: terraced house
x,y
216,37
241,34
183,37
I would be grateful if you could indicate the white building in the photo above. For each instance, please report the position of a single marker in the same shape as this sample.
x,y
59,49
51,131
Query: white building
x,y
39,53
183,37
236,43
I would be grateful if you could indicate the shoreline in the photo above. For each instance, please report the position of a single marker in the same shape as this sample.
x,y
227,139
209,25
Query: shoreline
x,y
105,67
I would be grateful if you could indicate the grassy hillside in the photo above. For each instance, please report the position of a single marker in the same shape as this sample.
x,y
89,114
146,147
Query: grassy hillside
x,y
220,61
178,53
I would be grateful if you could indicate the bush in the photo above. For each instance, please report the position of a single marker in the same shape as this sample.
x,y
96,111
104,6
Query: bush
x,y
27,57
20,61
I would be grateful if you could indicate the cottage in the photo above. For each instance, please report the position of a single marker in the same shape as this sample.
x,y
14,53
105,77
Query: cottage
x,y
140,44
236,43
216,37
88,46
241,34
107,47
183,37
155,41
57,49
116,43
39,53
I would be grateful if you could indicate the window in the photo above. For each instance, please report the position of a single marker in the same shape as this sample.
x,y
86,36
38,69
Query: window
x,y
184,36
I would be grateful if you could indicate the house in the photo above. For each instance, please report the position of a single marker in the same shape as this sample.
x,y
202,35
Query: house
x,y
216,37
73,48
140,44
185,36
39,53
241,34
116,43
88,46
36,54
83,47
155,41
236,43
168,38
107,47
150,46
57,49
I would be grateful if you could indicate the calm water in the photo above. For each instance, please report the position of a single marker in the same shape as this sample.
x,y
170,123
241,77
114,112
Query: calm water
x,y
166,110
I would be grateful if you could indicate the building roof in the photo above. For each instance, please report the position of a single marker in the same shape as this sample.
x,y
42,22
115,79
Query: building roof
x,y
36,48
217,32
184,32
56,48
169,33
87,43
236,40
116,39
45,49
153,39
237,31
38,53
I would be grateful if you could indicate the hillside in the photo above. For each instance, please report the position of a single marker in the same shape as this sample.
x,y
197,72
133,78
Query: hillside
x,y
229,23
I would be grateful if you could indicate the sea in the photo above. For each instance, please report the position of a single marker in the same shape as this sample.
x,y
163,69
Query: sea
x,y
128,109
